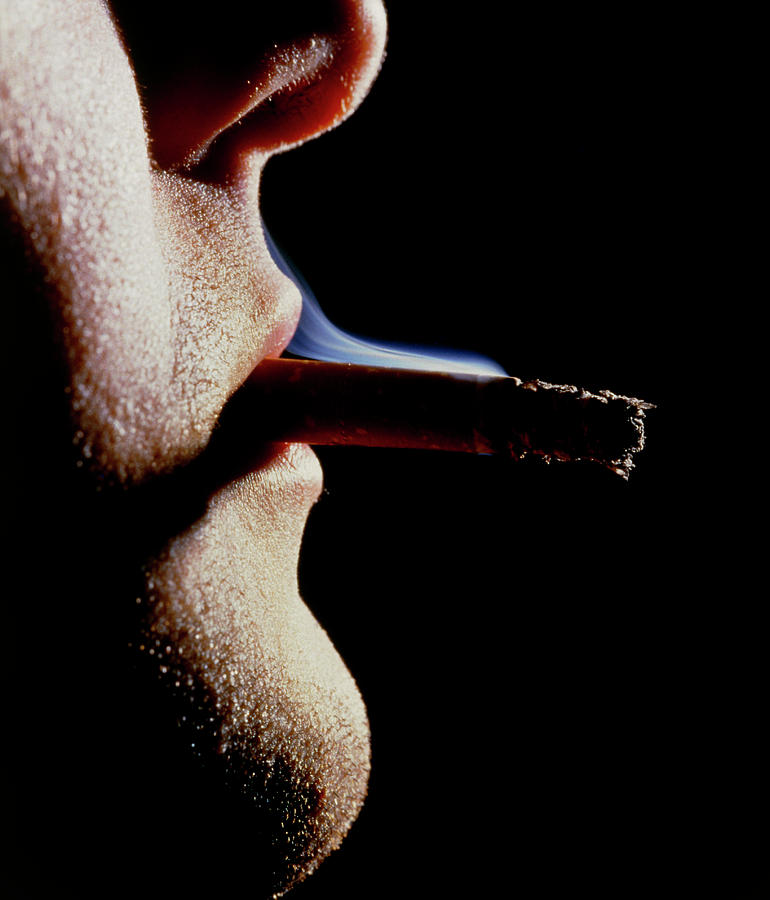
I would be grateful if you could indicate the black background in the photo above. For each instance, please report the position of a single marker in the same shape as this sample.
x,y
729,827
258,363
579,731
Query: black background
x,y
563,671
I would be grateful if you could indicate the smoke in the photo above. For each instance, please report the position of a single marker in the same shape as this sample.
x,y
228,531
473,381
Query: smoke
x,y
319,338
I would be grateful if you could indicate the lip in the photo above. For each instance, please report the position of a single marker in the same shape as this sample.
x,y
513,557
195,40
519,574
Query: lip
x,y
285,327
239,456
287,473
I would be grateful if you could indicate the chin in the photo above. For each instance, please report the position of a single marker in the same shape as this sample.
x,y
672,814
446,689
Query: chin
x,y
268,717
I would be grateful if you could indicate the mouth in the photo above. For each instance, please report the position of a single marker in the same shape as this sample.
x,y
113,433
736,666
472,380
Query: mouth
x,y
266,463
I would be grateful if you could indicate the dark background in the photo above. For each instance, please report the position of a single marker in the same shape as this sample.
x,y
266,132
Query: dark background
x,y
564,672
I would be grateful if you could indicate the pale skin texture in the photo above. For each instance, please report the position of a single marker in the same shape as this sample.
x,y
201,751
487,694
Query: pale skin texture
x,y
162,298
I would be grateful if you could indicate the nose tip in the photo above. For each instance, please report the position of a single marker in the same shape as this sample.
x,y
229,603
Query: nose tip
x,y
261,78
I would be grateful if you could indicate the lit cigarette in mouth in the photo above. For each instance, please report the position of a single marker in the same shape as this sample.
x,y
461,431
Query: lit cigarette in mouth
x,y
341,403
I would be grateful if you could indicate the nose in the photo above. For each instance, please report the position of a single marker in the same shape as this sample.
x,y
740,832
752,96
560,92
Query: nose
x,y
236,78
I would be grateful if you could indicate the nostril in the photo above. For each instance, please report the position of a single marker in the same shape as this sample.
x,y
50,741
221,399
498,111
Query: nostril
x,y
189,114
260,78
299,104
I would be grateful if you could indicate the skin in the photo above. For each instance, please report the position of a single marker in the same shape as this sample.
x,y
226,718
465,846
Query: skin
x,y
166,654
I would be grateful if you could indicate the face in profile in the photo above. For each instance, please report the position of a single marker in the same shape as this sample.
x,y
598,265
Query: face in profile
x,y
186,720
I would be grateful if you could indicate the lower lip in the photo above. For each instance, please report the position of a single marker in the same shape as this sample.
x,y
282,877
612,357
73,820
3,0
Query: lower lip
x,y
293,468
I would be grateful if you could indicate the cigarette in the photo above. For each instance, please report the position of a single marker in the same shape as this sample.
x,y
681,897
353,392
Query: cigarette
x,y
340,403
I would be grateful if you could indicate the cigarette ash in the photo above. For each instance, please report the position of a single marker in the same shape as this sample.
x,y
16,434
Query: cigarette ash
x,y
610,440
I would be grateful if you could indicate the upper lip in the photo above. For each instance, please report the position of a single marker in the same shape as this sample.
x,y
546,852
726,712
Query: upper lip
x,y
282,332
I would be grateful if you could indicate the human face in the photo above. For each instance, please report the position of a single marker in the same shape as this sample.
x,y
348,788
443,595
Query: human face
x,y
143,294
